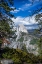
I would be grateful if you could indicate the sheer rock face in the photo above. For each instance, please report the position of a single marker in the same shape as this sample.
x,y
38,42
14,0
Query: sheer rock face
x,y
22,28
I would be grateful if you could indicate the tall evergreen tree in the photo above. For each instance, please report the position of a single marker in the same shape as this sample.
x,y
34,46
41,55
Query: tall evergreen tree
x,y
38,18
5,15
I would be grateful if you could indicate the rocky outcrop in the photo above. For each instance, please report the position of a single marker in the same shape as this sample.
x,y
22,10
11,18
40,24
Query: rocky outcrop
x,y
23,37
22,28
6,61
5,42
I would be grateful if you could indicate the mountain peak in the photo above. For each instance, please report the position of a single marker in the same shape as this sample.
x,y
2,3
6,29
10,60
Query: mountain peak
x,y
22,28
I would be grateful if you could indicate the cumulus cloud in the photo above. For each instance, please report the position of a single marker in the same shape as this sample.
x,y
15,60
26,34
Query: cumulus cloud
x,y
22,8
15,11
25,21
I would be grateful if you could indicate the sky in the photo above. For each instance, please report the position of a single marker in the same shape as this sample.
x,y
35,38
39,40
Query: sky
x,y
24,10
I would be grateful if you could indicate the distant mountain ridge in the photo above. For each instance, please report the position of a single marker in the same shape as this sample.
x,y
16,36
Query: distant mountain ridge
x,y
31,26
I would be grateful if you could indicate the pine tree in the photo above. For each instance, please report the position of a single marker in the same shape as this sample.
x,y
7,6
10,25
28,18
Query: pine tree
x,y
5,17
38,18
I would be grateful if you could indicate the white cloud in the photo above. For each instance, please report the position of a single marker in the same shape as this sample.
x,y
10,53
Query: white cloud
x,y
25,21
25,7
22,8
12,7
15,11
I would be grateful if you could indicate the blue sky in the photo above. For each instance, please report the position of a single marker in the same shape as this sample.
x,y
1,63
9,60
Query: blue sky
x,y
24,10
